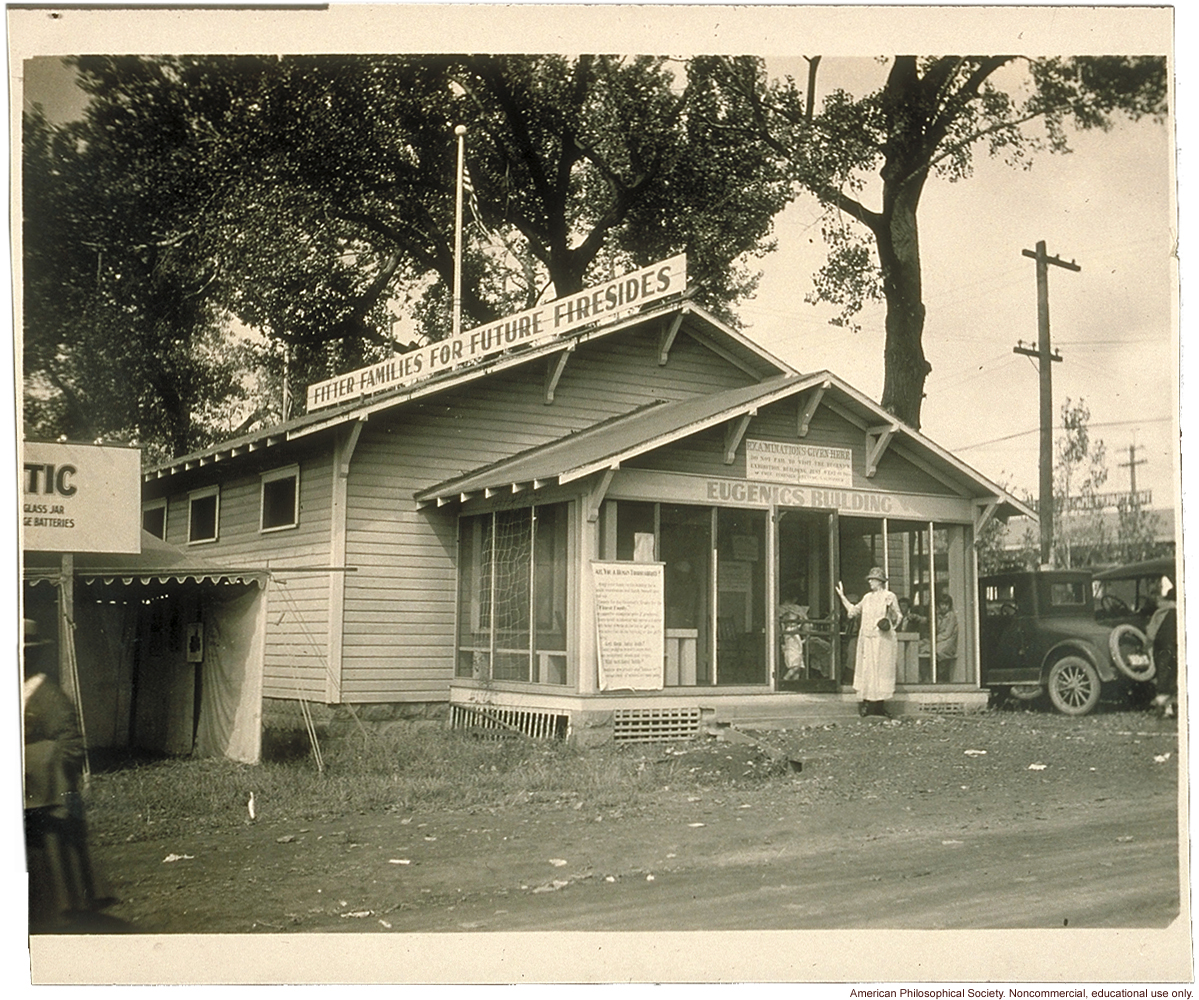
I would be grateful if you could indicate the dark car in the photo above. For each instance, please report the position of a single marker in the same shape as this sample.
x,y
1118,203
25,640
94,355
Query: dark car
x,y
1039,634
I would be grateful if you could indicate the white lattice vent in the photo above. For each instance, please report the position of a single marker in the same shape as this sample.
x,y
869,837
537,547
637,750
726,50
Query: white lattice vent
x,y
947,707
646,725
504,721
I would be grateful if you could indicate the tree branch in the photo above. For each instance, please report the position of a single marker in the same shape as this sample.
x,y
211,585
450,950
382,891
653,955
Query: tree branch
x,y
940,123
973,138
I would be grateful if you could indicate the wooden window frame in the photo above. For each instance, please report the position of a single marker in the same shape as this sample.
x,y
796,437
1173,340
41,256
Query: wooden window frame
x,y
477,607
284,472
161,502
202,494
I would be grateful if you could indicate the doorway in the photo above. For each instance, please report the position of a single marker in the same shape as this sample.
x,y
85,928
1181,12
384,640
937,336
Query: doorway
x,y
809,654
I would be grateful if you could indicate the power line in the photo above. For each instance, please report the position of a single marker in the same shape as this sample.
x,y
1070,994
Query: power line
x,y
1059,427
1139,340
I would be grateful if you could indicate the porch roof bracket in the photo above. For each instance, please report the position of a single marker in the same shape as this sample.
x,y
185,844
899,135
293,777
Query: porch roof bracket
x,y
807,409
984,510
347,449
733,434
666,341
877,439
555,366
595,497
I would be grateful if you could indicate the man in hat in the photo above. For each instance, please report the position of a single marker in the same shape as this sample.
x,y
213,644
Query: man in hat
x,y
60,875
874,666
1162,636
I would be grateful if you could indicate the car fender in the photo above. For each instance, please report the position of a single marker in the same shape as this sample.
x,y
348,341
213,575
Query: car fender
x,y
1099,659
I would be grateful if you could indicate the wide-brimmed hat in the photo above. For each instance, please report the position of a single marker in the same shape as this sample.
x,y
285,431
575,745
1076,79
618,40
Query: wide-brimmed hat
x,y
876,573
32,634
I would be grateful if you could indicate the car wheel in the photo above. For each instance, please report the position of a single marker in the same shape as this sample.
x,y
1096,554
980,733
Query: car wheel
x,y
1131,653
1073,686
1027,692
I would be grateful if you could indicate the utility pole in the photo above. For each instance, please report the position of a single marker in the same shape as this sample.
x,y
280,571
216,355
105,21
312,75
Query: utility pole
x,y
1045,357
1131,466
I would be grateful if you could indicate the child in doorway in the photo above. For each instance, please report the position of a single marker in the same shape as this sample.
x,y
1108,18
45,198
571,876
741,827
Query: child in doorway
x,y
792,616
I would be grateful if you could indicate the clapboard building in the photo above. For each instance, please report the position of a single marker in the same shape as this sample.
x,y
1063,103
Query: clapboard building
x,y
587,526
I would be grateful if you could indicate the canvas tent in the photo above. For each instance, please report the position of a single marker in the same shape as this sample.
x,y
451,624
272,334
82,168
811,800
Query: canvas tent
x,y
165,647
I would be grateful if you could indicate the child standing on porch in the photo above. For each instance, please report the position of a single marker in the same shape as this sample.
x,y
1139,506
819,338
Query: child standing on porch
x,y
792,615
874,666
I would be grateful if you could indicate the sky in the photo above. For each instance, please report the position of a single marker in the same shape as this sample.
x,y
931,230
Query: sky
x,y
1106,205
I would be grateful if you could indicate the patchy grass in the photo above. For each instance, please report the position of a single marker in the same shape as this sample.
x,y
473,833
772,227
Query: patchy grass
x,y
400,770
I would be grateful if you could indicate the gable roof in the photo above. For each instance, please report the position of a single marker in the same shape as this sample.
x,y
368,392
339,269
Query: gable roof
x,y
690,318
606,445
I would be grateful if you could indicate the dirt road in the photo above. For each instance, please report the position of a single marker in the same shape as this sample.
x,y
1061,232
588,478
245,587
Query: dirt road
x,y
1004,820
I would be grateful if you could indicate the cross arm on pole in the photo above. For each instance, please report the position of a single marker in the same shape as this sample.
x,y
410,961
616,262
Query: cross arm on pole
x,y
1034,352
1069,265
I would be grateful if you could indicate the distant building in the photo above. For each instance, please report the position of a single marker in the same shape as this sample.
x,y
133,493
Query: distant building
x,y
1095,533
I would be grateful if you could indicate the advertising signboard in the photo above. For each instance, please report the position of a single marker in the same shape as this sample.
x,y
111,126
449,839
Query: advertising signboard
x,y
532,327
80,498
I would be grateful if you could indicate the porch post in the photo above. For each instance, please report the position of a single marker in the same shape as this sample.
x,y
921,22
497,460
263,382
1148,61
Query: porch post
x,y
587,546
772,597
972,602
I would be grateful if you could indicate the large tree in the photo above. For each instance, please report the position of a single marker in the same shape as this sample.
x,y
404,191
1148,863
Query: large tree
x,y
311,198
868,158
120,339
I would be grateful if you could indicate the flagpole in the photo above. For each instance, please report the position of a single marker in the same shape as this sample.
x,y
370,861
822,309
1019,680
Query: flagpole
x,y
456,325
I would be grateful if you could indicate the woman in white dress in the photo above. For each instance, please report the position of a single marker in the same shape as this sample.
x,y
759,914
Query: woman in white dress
x,y
874,668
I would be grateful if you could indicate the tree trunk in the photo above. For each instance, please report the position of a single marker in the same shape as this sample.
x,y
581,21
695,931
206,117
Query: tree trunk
x,y
565,274
905,367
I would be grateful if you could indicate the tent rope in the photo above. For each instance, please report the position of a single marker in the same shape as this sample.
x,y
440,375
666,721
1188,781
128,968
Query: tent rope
x,y
316,648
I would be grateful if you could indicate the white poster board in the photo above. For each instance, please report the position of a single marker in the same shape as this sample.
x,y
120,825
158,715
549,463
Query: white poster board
x,y
630,625
81,498
784,462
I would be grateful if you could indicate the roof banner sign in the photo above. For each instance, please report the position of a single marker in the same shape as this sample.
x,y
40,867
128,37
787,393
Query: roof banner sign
x,y
533,327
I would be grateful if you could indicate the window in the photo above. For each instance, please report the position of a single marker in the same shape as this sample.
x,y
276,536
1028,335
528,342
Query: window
x,y
1007,598
512,604
154,517
951,627
203,507
740,596
280,499
1000,600
680,537
926,568
1068,593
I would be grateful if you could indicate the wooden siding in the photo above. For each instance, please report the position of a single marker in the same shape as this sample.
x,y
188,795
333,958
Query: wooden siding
x,y
703,454
297,615
400,601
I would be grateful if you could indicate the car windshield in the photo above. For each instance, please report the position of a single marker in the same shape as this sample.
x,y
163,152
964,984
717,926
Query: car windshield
x,y
1132,593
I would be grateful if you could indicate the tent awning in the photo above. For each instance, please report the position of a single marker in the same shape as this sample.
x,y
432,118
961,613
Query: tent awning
x,y
158,561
